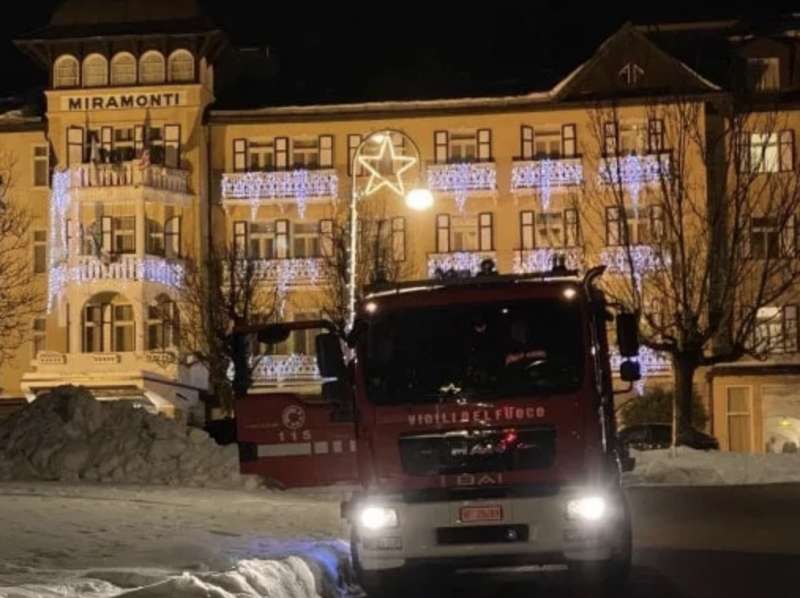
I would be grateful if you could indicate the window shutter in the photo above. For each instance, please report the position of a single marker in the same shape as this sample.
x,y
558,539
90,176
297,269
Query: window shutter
x,y
107,142
526,228
281,153
107,234
613,237
240,238
399,239
138,140
526,142
326,237
172,146
282,239
75,142
442,233
484,144
353,141
326,151
239,155
571,228
744,152
569,147
440,143
611,140
485,231
787,150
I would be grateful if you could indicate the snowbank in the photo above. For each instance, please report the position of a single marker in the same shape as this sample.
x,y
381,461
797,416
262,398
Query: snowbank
x,y
67,435
712,468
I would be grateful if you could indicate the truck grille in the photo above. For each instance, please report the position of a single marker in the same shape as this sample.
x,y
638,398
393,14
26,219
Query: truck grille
x,y
482,534
478,451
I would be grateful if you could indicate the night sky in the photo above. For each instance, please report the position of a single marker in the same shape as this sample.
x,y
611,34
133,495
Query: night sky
x,y
391,50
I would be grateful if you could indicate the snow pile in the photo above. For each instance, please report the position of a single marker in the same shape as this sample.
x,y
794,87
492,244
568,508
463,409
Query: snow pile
x,y
712,468
67,435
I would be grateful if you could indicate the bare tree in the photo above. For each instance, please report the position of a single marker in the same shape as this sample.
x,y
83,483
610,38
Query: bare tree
x,y
379,260
223,291
18,298
681,209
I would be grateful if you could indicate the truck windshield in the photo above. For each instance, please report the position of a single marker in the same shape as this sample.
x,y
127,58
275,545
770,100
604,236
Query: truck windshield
x,y
474,351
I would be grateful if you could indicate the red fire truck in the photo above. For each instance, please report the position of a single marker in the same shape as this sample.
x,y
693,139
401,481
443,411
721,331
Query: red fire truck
x,y
482,411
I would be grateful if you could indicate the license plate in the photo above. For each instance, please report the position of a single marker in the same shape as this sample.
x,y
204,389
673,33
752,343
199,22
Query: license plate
x,y
480,514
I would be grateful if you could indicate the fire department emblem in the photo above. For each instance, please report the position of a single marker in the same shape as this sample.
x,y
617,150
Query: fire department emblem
x,y
293,417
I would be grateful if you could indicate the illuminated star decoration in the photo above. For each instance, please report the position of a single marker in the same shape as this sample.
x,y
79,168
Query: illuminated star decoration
x,y
393,181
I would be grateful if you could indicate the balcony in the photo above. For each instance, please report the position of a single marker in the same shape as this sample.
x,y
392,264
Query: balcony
x,y
463,179
286,370
542,260
299,186
645,259
651,362
127,268
458,262
289,272
111,181
542,177
634,172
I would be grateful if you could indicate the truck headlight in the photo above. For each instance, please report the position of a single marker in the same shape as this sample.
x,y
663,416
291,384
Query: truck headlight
x,y
375,518
587,508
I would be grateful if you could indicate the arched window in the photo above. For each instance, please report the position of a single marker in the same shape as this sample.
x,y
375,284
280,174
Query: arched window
x,y
66,72
108,324
95,70
151,67
162,324
181,66
123,69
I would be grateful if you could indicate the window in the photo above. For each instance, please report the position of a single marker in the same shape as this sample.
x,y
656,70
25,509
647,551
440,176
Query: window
x,y
162,325
633,138
547,143
151,67
39,251
464,233
763,74
66,72
124,234
655,135
304,341
93,328
123,69
463,147
776,330
38,335
572,233
305,153
443,233
353,141
41,166
181,66
527,230
261,155
764,238
549,229
738,404
486,231
123,325
305,239
172,236
155,237
95,71
526,142
262,240
637,227
764,152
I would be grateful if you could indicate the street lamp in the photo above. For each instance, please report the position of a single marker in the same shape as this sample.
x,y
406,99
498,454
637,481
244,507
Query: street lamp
x,y
417,198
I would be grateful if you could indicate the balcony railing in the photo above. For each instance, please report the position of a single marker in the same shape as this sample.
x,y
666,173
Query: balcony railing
x,y
651,362
545,175
288,272
463,179
645,259
541,260
282,369
299,185
635,171
129,174
126,268
457,261
83,364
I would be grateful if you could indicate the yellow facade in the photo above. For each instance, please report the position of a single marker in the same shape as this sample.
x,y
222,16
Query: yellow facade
x,y
515,179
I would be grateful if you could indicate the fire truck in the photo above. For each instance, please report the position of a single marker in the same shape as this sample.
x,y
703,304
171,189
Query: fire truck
x,y
482,409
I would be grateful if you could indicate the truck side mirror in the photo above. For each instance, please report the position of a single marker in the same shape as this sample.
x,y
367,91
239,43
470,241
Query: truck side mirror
x,y
330,358
627,335
630,371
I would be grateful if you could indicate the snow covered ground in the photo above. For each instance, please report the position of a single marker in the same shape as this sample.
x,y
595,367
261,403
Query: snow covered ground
x,y
99,540
712,468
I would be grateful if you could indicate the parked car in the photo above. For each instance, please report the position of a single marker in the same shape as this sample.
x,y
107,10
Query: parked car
x,y
644,437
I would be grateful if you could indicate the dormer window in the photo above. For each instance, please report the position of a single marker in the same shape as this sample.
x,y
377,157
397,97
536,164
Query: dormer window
x,y
95,71
123,69
181,67
151,68
763,74
66,72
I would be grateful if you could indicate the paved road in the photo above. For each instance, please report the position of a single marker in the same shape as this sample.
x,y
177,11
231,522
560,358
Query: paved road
x,y
731,542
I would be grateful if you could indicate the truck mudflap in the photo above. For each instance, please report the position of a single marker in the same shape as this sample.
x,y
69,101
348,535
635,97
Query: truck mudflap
x,y
292,439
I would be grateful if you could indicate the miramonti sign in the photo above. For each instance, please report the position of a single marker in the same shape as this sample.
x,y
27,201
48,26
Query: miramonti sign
x,y
119,101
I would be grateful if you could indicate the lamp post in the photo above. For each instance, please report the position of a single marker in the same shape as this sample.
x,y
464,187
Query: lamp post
x,y
417,198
